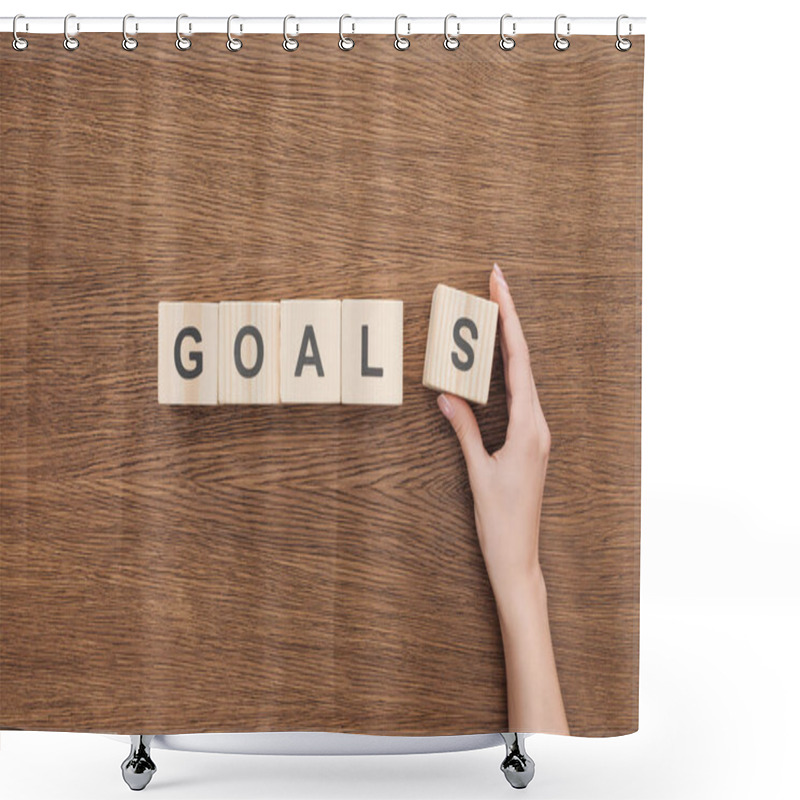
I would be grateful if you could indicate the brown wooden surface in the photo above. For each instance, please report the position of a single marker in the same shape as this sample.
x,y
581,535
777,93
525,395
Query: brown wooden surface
x,y
178,569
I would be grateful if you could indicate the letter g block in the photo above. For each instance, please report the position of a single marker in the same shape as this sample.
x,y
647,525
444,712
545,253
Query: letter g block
x,y
461,334
187,353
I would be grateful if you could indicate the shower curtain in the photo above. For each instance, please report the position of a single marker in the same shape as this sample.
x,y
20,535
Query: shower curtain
x,y
308,567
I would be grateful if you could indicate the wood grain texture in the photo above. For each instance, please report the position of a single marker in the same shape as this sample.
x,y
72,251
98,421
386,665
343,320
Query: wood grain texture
x,y
185,569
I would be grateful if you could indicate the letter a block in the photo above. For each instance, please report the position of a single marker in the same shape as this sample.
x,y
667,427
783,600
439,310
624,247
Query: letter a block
x,y
372,352
249,352
187,353
311,351
461,334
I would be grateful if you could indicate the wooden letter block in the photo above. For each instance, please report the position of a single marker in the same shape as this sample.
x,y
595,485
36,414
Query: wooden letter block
x,y
249,352
372,352
311,351
461,334
187,353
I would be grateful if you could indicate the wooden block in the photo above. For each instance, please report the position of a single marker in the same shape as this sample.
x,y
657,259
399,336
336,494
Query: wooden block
x,y
372,352
187,353
311,351
461,333
249,352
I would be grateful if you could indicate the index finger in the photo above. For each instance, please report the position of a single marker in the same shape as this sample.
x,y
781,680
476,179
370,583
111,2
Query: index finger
x,y
520,386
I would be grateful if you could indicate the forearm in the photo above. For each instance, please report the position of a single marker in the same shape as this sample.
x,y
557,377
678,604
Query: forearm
x,y
508,487
534,694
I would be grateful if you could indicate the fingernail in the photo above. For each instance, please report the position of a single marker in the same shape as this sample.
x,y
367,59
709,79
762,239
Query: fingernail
x,y
499,274
445,405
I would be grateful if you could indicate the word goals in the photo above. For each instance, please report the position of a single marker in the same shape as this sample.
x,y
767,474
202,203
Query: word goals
x,y
319,351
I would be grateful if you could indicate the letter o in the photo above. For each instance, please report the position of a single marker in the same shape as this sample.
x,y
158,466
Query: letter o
x,y
248,372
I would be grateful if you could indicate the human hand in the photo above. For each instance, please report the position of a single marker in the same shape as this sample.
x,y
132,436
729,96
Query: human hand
x,y
507,488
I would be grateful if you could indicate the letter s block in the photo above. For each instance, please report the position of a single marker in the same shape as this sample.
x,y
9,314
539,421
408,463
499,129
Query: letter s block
x,y
187,353
461,334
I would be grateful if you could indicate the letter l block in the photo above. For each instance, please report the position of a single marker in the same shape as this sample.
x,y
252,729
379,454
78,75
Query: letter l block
x,y
372,352
187,353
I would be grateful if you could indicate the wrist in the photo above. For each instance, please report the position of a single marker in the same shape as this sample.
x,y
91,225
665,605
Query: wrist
x,y
519,600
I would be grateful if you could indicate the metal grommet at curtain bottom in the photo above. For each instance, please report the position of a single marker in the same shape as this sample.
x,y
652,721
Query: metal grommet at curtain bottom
x,y
506,41
181,42
345,42
17,42
623,45
70,42
290,44
560,42
400,42
450,42
128,42
233,44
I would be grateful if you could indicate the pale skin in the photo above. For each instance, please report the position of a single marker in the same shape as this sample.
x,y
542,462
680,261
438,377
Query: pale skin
x,y
507,489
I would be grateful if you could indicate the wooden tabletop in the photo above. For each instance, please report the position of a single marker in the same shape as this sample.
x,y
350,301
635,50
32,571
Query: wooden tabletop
x,y
259,568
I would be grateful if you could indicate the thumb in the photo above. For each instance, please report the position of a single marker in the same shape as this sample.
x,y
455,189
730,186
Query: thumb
x,y
465,425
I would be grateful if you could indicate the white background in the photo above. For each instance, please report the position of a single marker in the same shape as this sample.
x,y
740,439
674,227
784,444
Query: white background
x,y
721,441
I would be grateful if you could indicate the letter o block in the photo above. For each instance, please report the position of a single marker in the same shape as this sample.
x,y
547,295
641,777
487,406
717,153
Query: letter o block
x,y
461,334
187,353
249,352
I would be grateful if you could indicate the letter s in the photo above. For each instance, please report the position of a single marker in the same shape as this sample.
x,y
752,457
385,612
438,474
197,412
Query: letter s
x,y
464,322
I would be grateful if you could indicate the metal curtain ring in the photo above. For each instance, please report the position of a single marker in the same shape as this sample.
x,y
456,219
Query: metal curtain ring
x,y
345,42
233,44
451,42
18,43
400,42
622,44
289,42
181,42
560,42
70,42
506,41
128,42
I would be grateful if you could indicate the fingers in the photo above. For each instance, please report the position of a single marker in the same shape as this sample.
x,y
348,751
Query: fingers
x,y
465,425
520,386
